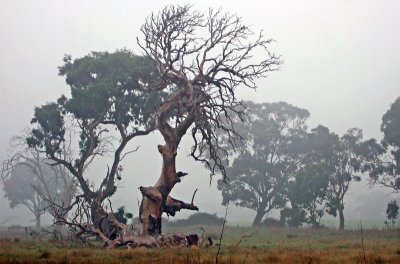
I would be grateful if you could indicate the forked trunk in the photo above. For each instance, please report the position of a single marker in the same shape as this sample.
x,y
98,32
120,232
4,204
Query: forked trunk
x,y
156,199
152,205
258,218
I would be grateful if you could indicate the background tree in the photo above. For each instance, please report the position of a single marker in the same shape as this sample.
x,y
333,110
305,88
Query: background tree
x,y
342,158
383,162
273,152
392,212
52,183
293,216
202,58
308,192
108,107
19,190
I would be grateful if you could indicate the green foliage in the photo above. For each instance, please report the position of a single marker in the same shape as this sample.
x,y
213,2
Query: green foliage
x,y
309,190
384,160
113,82
275,144
293,217
18,187
106,89
23,186
122,216
111,102
341,159
392,211
391,125
198,219
50,132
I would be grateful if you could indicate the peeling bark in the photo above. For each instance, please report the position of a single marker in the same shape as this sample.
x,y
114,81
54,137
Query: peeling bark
x,y
156,199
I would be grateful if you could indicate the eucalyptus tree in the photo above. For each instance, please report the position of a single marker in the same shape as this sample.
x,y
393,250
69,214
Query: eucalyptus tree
x,y
110,104
274,151
19,190
383,160
343,158
50,183
202,58
392,212
308,193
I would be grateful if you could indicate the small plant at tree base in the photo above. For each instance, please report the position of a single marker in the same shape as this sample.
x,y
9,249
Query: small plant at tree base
x,y
122,216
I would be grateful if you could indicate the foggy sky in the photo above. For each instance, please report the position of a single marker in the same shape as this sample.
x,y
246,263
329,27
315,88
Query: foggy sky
x,y
341,62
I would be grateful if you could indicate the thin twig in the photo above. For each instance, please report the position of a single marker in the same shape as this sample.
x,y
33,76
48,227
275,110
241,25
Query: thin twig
x,y
220,237
243,237
193,196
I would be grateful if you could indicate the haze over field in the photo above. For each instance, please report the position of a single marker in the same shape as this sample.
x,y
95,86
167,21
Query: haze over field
x,y
341,62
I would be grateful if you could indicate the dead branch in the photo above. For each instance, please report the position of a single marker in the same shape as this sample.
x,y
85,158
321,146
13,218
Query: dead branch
x,y
244,237
221,235
173,205
194,195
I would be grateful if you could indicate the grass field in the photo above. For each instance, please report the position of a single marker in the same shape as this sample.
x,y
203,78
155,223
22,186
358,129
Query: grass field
x,y
240,245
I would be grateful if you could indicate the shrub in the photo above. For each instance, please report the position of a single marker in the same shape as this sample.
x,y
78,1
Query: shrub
x,y
198,219
272,222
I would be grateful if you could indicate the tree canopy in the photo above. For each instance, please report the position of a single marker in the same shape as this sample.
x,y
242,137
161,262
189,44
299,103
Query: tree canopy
x,y
273,151
384,159
110,104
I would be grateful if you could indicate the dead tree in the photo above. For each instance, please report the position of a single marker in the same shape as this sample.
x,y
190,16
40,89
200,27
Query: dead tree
x,y
202,58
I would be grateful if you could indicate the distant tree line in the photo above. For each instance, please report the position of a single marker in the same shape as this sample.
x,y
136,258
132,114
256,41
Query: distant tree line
x,y
305,173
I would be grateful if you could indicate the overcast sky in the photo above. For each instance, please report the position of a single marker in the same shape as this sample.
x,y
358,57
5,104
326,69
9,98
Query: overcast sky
x,y
341,62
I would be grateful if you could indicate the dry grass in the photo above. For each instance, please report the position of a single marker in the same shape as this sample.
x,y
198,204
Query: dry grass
x,y
266,246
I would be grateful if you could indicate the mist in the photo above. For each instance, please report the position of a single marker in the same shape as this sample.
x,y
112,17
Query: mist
x,y
341,62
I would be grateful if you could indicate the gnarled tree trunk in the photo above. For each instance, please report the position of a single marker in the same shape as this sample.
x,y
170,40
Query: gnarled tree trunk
x,y
200,75
151,207
156,199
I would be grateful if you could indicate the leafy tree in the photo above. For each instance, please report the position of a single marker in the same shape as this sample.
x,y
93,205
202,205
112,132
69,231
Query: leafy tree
x,y
203,58
108,107
19,188
392,211
342,158
308,192
273,153
53,183
383,162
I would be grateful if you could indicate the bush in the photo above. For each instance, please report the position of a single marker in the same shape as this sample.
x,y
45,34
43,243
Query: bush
x,y
122,216
293,217
198,219
272,222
